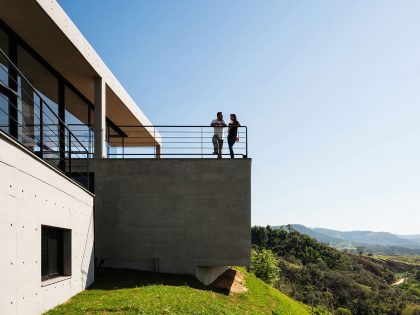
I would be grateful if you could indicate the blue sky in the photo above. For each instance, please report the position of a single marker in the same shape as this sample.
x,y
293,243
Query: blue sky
x,y
329,90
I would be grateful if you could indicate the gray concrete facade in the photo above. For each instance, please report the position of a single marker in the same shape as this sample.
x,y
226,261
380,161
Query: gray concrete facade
x,y
185,216
34,194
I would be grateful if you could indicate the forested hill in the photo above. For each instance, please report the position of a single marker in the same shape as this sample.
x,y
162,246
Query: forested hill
x,y
320,275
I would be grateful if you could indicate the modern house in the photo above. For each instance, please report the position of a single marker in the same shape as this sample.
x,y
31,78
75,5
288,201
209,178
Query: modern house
x,y
87,180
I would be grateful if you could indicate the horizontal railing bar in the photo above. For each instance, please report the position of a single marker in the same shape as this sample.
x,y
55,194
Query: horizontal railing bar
x,y
173,126
198,154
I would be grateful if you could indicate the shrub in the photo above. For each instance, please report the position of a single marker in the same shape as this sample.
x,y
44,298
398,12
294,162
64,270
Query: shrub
x,y
264,265
417,276
342,311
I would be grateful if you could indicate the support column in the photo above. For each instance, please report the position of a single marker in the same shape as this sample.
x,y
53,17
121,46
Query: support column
x,y
157,150
99,127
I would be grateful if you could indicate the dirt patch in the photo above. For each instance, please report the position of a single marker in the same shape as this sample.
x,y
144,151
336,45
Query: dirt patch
x,y
401,281
231,280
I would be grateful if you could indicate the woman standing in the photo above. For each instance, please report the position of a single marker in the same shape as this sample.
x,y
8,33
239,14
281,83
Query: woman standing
x,y
233,133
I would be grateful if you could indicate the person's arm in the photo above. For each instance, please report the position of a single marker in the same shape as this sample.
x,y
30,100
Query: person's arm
x,y
212,124
237,135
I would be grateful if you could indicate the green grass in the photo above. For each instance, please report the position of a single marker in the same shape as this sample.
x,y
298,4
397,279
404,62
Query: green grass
x,y
412,260
134,292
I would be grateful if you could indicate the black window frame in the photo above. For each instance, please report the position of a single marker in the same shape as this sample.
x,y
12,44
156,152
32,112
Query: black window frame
x,y
47,232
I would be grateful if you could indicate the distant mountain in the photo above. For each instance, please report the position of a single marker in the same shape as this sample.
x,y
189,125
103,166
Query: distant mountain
x,y
312,233
367,237
414,238
376,241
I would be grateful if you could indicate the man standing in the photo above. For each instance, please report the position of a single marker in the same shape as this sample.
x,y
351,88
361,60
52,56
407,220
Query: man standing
x,y
218,125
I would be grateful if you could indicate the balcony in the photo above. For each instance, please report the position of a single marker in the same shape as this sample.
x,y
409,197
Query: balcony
x,y
29,117
163,200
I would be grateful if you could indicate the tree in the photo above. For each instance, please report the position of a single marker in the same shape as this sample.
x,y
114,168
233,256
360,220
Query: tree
x,y
259,236
264,265
360,250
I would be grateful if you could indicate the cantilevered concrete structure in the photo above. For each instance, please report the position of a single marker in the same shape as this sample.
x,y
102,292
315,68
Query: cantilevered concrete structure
x,y
69,195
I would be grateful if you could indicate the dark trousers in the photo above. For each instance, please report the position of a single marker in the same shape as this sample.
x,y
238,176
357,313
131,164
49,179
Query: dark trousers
x,y
231,142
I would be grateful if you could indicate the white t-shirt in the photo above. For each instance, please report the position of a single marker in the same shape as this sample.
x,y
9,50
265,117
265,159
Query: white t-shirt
x,y
218,130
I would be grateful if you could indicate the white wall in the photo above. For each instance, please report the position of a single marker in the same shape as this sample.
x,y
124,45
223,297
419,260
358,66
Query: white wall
x,y
34,194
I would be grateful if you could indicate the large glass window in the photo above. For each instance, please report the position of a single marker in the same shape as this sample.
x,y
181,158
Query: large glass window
x,y
4,46
77,110
77,118
4,100
43,85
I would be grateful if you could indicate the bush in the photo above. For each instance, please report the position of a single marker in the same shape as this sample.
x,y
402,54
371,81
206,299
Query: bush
x,y
342,311
417,276
264,265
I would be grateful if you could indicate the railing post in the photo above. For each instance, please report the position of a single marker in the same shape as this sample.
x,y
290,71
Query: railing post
x,y
157,148
90,147
61,146
41,129
61,127
201,141
246,142
69,155
87,171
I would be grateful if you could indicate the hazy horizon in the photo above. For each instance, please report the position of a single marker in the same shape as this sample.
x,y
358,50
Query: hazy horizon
x,y
341,230
329,91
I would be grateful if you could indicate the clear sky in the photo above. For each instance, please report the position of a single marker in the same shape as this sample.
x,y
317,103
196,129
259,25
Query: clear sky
x,y
330,91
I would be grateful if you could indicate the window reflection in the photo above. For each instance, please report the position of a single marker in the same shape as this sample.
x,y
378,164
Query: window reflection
x,y
4,101
77,117
44,84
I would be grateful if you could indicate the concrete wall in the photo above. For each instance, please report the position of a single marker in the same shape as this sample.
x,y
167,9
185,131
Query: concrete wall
x,y
33,194
173,215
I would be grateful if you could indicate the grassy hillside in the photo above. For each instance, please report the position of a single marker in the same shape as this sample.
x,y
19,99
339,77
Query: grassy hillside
x,y
133,292
412,260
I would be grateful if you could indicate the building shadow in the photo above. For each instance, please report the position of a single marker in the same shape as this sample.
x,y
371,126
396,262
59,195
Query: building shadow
x,y
115,279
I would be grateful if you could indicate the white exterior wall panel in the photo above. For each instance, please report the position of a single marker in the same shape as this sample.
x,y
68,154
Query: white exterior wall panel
x,y
33,194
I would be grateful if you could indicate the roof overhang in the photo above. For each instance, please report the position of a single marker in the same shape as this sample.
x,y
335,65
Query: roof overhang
x,y
45,26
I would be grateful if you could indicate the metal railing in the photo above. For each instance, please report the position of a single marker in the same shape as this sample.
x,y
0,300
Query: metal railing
x,y
26,116
84,134
166,141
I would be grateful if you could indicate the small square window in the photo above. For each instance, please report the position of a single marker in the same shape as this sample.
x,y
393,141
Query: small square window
x,y
55,252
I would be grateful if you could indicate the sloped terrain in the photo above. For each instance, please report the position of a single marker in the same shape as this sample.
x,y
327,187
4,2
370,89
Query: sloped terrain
x,y
134,292
317,274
